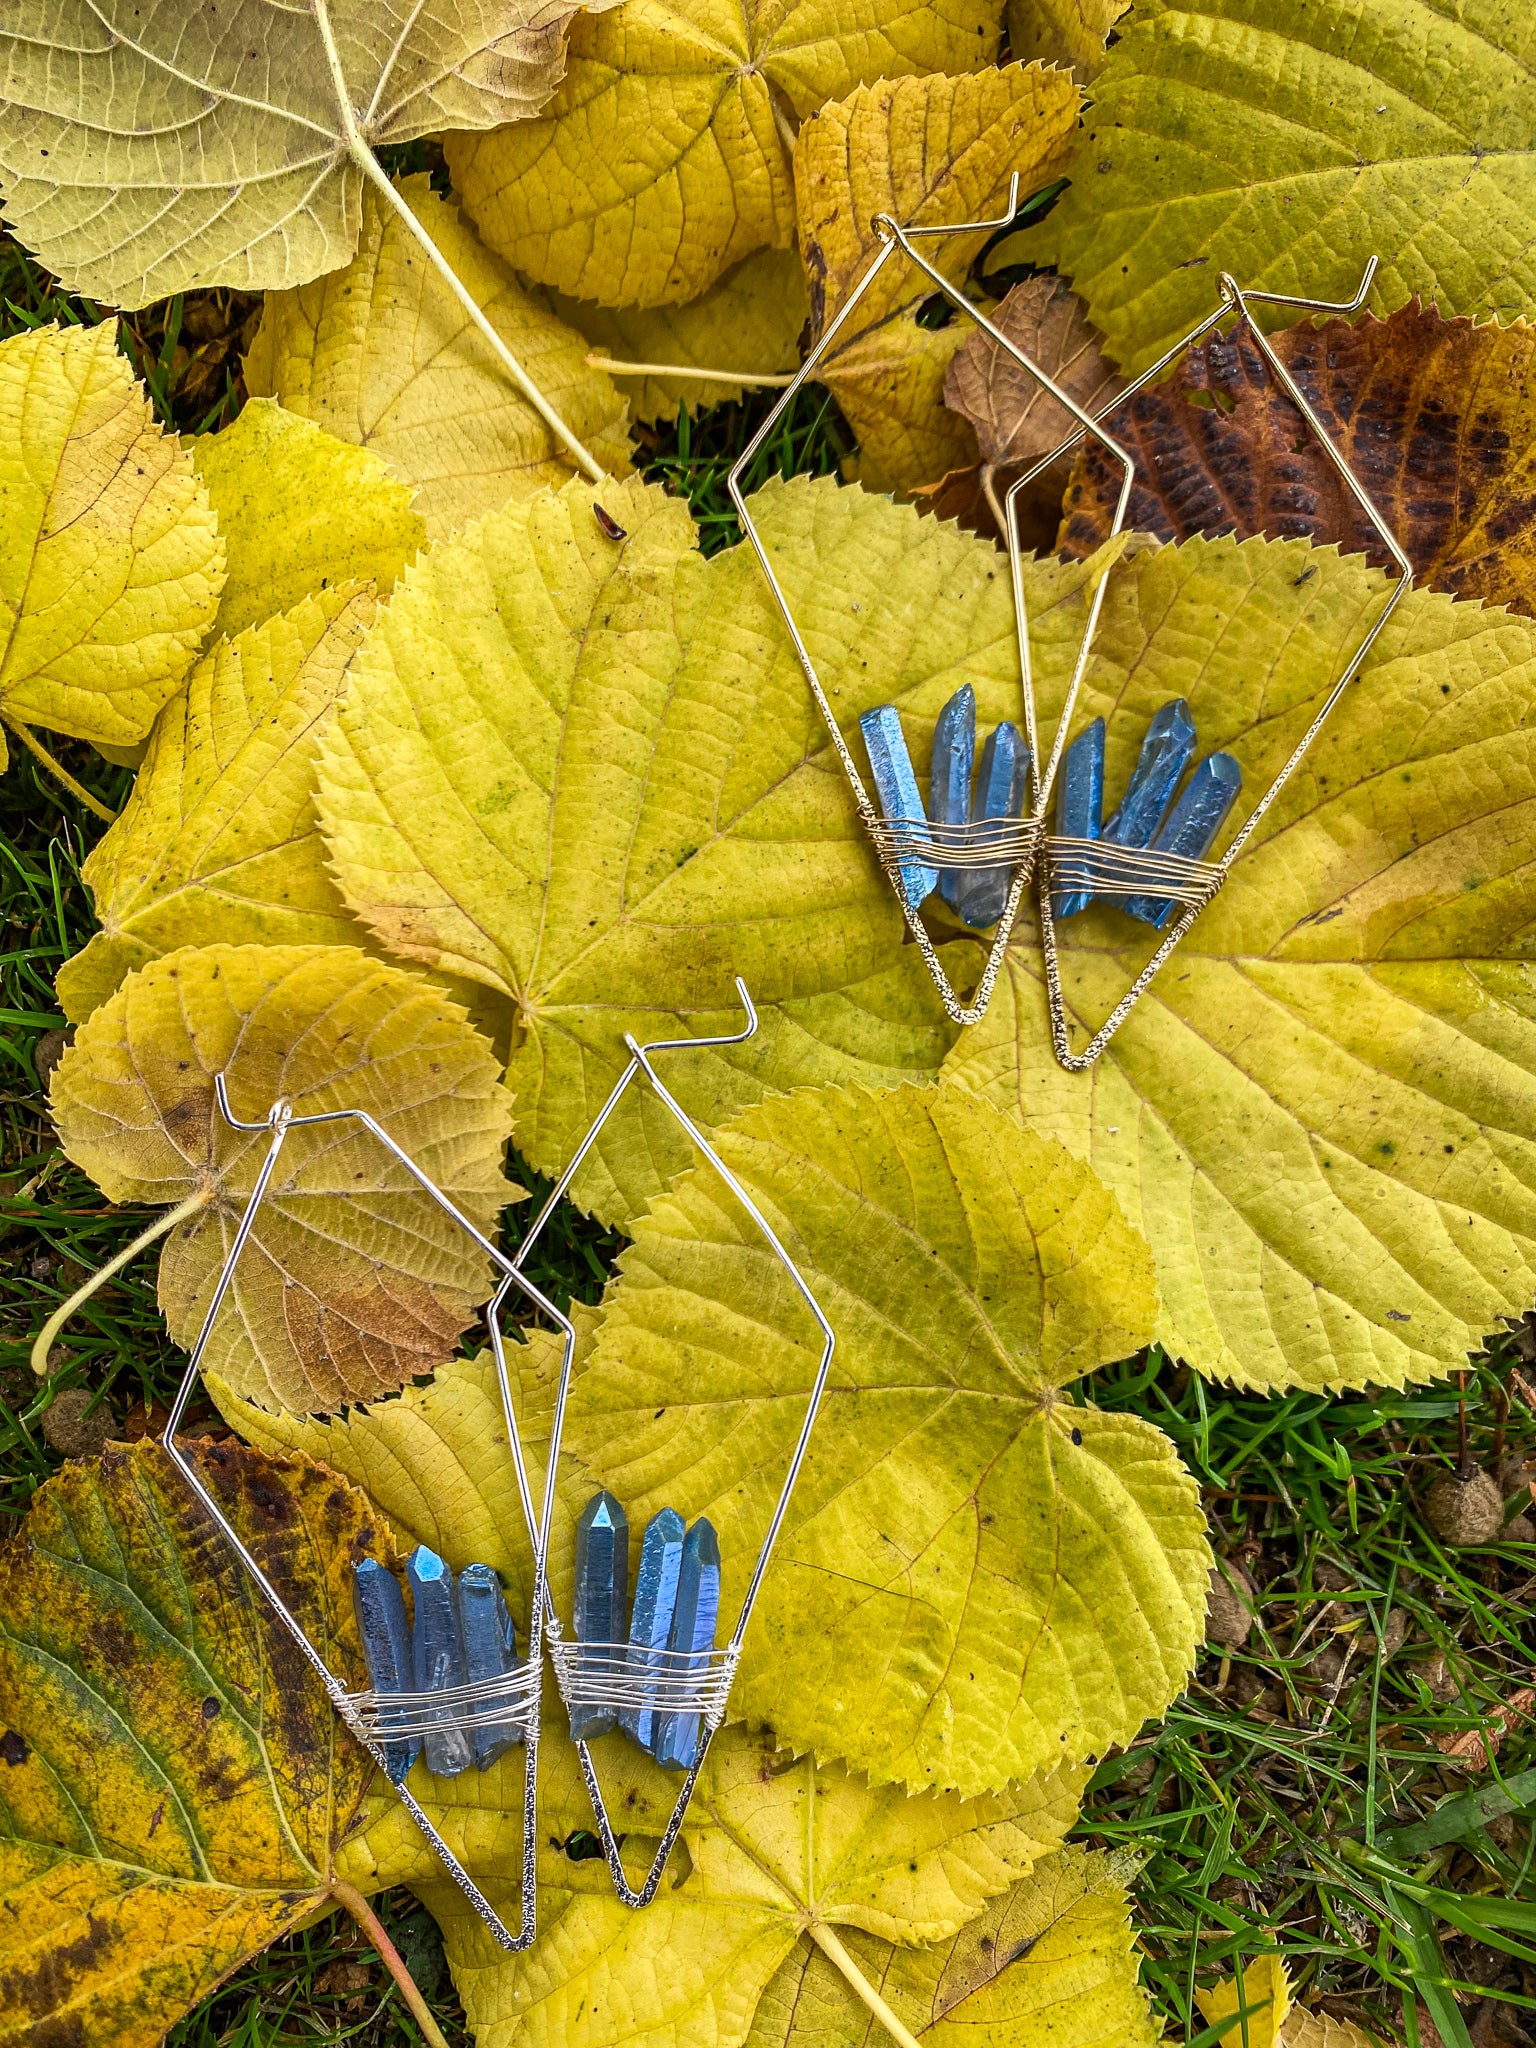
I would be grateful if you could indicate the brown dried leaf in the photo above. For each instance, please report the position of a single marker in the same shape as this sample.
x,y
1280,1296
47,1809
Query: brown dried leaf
x,y
1437,418
1015,417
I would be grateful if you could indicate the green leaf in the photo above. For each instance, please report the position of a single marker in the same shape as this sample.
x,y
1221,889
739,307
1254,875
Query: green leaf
x,y
174,1783
976,1578
1288,145
1051,1963
588,775
353,1280
1318,1115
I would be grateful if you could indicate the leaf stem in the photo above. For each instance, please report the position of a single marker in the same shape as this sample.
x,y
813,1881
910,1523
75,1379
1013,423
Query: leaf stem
x,y
835,1953
596,361
60,773
61,1315
347,1895
363,156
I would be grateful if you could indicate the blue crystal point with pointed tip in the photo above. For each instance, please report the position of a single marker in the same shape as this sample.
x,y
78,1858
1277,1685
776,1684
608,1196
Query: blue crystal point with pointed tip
x,y
650,1626
896,787
1079,806
1190,828
602,1594
386,1634
490,1651
1166,752
954,754
437,1655
693,1631
1000,790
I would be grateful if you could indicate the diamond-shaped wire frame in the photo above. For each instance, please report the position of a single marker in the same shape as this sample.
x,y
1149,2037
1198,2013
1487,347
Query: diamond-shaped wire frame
x,y
1013,843
600,1674
372,1721
1089,865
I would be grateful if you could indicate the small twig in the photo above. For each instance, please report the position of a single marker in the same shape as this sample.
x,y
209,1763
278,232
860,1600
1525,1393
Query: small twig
x,y
60,773
43,1343
1463,1446
346,1895
596,360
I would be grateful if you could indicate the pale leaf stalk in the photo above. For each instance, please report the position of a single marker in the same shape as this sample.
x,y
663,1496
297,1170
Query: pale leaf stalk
x,y
60,773
368,164
61,1315
348,1896
601,362
836,1954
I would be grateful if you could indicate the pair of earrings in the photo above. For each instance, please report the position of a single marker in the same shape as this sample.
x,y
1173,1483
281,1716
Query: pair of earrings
x,y
979,851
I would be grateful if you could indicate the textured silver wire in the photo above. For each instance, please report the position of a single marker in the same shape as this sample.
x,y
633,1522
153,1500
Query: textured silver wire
x,y
895,239
640,1067
279,1121
1233,298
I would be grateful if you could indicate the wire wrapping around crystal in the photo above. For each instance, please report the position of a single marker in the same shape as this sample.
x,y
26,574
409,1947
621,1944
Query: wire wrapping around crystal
x,y
1100,868
987,843
619,1676
397,1716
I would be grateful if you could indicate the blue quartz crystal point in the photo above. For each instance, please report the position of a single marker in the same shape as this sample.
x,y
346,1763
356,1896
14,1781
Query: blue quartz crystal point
x,y
693,1630
1079,806
896,787
1166,752
437,1655
490,1651
1190,828
999,794
650,1627
386,1634
602,1595
954,754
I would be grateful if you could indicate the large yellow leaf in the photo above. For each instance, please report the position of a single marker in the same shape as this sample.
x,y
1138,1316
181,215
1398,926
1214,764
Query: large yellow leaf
x,y
748,320
299,512
923,151
588,774
173,1780
1063,31
1319,1116
145,148
1288,145
1051,1963
382,354
218,840
110,561
665,156
353,1280
976,1577
778,1852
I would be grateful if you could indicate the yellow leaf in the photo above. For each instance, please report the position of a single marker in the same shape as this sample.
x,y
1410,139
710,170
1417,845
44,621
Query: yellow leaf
x,y
1304,2029
976,1577
750,320
665,156
353,1280
1049,1964
588,775
218,840
382,354
110,561
174,1781
923,151
1257,2006
1070,32
1317,1114
299,513
146,150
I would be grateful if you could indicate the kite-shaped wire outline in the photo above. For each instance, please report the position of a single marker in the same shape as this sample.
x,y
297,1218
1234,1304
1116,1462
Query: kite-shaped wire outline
x,y
372,1718
1011,842
609,1675
1088,865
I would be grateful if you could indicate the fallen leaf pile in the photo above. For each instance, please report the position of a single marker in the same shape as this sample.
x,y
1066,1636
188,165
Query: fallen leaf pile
x,y
454,767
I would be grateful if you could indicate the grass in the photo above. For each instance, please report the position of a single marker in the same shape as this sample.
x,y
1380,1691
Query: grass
x,y
1300,1795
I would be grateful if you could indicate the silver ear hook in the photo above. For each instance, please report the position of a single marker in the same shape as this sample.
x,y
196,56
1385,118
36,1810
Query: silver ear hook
x,y
1090,866
596,1675
1004,843
364,1713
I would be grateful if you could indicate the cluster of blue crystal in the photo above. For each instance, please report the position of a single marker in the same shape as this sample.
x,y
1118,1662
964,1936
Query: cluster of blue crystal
x,y
676,1609
977,895
1149,813
459,1633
